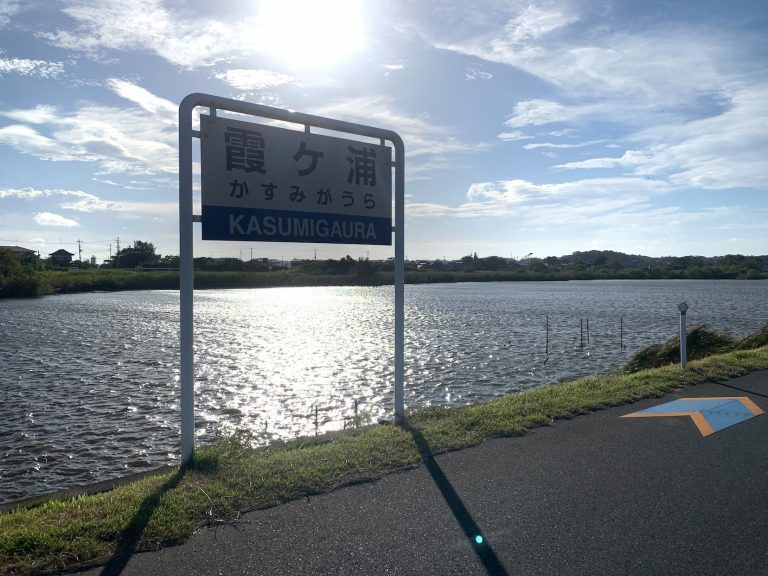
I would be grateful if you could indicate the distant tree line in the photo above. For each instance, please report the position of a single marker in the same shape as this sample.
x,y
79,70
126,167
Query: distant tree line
x,y
590,264
18,276
140,267
610,264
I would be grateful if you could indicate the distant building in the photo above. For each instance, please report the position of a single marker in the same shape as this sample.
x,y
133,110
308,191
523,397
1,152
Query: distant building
x,y
282,263
24,254
61,257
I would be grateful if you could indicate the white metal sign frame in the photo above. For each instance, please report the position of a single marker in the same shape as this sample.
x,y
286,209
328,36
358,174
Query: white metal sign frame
x,y
186,244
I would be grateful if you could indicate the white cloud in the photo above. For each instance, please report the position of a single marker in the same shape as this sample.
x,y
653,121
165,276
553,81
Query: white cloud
x,y
36,115
592,163
650,66
699,88
592,188
514,135
51,219
720,152
138,140
143,97
390,69
171,32
26,67
25,193
30,193
426,142
619,213
506,192
537,112
475,73
148,25
8,9
537,145
28,141
536,21
91,203
564,132
80,201
549,203
604,71
114,166
131,186
630,158
253,79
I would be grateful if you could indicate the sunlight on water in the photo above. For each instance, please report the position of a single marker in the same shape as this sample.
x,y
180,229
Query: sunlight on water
x,y
89,388
268,358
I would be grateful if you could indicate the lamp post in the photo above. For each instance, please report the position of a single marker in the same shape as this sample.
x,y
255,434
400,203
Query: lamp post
x,y
683,307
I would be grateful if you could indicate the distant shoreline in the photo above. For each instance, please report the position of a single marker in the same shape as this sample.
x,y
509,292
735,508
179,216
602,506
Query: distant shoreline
x,y
45,283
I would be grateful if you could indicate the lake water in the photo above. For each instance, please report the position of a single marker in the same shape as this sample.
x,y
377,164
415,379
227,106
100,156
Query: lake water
x,y
89,382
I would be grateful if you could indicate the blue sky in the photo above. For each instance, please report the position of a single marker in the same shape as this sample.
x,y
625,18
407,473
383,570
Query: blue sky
x,y
530,127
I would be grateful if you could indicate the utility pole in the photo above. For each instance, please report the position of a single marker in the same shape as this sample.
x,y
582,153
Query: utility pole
x,y
79,251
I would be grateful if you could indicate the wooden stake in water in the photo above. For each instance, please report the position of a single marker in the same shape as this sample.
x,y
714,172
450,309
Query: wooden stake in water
x,y
621,332
581,332
587,330
546,349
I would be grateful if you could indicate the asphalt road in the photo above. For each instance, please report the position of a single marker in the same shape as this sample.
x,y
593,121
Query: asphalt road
x,y
593,495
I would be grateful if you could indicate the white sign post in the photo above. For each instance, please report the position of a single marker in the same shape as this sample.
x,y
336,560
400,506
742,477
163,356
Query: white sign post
x,y
263,183
683,308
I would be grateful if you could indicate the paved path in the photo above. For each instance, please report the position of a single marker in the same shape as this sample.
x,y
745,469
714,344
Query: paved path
x,y
593,495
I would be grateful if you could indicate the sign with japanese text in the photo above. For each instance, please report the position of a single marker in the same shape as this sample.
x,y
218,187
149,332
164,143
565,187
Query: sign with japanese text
x,y
269,184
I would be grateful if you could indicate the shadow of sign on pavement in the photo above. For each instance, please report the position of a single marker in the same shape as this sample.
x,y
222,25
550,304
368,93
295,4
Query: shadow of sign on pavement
x,y
478,541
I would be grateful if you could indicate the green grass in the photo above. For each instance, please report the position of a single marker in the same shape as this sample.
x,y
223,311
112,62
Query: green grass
x,y
229,476
700,343
756,340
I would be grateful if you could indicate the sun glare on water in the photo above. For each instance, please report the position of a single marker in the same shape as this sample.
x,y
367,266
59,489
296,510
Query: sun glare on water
x,y
305,34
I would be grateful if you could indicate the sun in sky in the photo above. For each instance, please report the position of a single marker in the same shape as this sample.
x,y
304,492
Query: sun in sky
x,y
306,34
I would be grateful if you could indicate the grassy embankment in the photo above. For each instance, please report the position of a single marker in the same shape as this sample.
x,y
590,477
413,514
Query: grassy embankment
x,y
62,282
42,283
45,283
229,476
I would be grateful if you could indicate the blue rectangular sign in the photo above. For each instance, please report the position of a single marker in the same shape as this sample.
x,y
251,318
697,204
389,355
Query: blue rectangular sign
x,y
258,225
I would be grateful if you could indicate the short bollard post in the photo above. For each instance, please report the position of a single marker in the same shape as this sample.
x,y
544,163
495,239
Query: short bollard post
x,y
683,307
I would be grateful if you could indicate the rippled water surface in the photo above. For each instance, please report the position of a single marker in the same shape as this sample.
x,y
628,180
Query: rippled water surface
x,y
89,382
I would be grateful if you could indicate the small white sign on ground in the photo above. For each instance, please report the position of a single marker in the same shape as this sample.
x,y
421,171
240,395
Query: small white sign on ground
x,y
263,183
